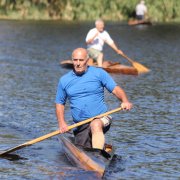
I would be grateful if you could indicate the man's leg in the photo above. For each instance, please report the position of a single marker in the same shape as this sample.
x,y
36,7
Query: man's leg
x,y
98,138
96,55
100,59
98,128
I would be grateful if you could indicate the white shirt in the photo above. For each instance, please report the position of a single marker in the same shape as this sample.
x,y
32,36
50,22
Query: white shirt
x,y
99,40
141,9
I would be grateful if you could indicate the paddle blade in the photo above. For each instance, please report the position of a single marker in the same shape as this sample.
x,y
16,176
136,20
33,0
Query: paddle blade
x,y
140,68
29,143
2,153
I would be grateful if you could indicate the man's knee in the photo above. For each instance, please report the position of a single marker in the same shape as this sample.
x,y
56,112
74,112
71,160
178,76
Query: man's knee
x,y
96,125
100,55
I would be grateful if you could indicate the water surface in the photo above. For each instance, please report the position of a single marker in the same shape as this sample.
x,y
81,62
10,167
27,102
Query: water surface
x,y
147,138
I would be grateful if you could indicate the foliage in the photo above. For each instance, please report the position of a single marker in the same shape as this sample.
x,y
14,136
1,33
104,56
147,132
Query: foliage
x,y
158,10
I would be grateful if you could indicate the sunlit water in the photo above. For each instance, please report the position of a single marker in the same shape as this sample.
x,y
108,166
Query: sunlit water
x,y
147,138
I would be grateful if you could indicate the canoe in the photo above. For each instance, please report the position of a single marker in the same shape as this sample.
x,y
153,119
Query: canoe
x,y
110,67
87,158
139,22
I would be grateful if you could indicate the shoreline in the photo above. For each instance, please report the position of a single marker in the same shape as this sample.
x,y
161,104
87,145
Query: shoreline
x,y
3,18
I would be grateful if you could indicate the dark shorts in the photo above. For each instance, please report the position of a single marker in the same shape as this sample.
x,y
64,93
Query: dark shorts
x,y
139,17
83,136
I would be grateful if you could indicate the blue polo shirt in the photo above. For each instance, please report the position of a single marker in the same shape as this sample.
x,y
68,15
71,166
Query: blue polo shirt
x,y
85,92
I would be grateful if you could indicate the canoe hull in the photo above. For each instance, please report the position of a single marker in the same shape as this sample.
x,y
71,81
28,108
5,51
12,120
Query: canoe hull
x,y
115,68
83,159
121,69
139,22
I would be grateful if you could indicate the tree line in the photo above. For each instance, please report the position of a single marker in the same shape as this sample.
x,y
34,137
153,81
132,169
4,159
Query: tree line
x,y
83,10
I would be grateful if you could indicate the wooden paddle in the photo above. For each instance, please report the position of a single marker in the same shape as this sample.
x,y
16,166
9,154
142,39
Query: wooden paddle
x,y
29,143
140,68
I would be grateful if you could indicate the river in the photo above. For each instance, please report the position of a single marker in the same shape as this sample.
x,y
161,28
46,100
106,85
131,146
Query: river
x,y
147,138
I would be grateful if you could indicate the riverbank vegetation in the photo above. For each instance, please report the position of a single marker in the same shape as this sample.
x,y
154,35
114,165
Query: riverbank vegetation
x,y
80,10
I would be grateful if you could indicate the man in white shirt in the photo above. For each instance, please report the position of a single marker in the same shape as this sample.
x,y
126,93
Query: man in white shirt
x,y
95,40
141,10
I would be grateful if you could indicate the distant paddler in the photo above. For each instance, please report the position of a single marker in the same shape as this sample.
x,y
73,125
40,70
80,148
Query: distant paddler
x,y
141,11
95,40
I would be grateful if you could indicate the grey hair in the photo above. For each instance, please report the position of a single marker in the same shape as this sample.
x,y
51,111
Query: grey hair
x,y
98,20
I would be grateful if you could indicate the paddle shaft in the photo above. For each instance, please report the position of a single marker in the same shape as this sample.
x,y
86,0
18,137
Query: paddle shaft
x,y
28,143
125,56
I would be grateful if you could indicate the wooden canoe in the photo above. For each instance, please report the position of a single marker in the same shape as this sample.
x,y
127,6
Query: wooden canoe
x,y
135,22
87,159
110,67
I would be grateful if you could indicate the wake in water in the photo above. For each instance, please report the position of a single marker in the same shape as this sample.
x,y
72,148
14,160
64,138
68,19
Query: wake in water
x,y
115,166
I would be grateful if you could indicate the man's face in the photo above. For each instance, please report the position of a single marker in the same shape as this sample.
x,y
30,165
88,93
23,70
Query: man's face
x,y
100,26
80,60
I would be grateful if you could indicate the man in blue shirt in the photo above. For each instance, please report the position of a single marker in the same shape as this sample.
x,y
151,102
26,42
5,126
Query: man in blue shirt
x,y
84,88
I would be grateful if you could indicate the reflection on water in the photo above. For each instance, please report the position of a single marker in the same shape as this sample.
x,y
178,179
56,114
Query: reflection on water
x,y
147,138
12,157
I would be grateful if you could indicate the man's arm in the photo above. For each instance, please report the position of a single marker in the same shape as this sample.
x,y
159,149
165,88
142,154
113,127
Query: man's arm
x,y
90,40
115,48
121,95
60,117
92,34
111,43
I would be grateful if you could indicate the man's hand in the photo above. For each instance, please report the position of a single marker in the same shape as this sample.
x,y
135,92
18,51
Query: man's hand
x,y
126,105
119,52
92,39
63,127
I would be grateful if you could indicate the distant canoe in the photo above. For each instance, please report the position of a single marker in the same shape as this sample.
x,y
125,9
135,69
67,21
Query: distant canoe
x,y
139,22
112,67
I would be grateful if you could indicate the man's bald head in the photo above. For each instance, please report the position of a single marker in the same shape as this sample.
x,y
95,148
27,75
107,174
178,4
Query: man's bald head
x,y
80,60
80,52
